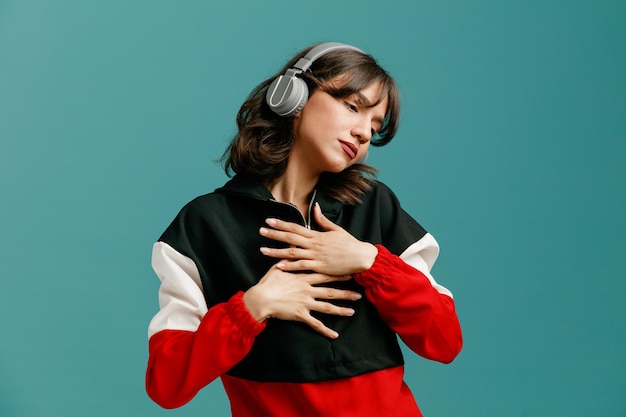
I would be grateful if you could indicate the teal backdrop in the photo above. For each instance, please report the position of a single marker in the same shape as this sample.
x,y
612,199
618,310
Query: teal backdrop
x,y
512,152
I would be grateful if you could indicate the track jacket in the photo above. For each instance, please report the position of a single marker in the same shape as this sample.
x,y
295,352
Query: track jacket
x,y
210,255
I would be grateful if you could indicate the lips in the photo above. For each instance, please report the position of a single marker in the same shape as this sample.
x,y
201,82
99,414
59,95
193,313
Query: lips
x,y
349,148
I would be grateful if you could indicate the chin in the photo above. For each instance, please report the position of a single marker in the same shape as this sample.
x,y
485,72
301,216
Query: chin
x,y
336,165
338,169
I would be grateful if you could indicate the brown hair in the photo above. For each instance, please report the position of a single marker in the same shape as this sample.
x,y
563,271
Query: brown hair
x,y
261,147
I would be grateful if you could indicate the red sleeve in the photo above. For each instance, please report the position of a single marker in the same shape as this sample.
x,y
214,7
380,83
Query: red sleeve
x,y
405,298
182,362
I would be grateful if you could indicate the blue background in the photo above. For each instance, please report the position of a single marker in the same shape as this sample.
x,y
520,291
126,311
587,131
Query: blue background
x,y
511,152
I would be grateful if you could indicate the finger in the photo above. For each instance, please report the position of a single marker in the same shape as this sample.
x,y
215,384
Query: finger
x,y
319,327
326,293
322,220
285,253
332,309
316,279
285,237
299,264
288,227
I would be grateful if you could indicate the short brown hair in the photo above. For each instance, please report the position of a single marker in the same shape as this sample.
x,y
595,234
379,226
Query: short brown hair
x,y
261,147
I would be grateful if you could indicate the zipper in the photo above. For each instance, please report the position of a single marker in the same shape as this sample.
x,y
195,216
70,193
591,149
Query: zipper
x,y
311,203
306,223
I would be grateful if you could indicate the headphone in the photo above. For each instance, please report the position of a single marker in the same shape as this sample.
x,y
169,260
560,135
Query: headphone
x,y
288,94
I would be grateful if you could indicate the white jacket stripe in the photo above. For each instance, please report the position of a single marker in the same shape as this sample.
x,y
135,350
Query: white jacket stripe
x,y
421,255
181,301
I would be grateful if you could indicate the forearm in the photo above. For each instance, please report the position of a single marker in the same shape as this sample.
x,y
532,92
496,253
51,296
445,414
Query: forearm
x,y
182,362
423,316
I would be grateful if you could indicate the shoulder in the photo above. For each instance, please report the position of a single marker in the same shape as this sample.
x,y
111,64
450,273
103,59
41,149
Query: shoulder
x,y
382,196
398,228
199,206
379,187
195,215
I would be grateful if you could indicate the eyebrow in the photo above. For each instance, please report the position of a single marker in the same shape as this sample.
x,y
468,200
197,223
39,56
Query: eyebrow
x,y
363,101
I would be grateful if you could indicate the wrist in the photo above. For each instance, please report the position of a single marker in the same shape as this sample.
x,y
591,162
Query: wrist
x,y
370,252
252,299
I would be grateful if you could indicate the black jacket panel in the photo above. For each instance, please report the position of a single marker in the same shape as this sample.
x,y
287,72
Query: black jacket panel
x,y
220,233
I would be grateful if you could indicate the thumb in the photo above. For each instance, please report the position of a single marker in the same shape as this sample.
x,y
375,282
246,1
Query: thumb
x,y
322,220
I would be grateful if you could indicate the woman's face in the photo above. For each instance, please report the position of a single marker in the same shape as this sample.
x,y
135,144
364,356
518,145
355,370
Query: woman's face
x,y
330,133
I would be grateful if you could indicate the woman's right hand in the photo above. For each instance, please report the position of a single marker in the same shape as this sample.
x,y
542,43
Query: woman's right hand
x,y
293,296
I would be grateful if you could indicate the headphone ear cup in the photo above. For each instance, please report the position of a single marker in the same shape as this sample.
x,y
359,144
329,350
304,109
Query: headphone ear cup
x,y
287,95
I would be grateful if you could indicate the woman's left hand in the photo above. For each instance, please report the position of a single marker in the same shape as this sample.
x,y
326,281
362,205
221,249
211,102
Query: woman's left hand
x,y
333,251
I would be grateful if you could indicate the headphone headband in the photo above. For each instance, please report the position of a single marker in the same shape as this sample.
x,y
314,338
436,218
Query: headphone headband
x,y
306,61
288,94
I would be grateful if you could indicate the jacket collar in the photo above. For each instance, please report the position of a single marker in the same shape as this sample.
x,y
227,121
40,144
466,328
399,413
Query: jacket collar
x,y
253,188
246,187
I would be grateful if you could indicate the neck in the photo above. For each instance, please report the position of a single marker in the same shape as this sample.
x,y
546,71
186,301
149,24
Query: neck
x,y
294,187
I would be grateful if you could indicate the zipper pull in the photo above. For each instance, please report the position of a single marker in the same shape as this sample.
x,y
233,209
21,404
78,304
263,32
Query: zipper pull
x,y
311,204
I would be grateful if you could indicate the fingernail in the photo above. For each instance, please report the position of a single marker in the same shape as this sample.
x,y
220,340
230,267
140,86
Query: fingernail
x,y
280,265
334,335
265,251
351,312
357,296
271,222
263,231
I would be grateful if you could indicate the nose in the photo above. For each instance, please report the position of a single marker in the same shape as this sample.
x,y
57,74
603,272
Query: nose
x,y
362,131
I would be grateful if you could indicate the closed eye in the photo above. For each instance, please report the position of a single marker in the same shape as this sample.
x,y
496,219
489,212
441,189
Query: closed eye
x,y
351,107
376,126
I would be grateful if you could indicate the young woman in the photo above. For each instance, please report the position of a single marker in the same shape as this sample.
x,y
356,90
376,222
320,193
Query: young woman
x,y
292,282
